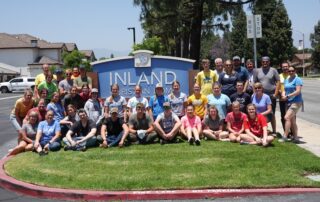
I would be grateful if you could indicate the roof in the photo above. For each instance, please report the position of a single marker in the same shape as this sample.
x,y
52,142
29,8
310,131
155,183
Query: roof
x,y
24,41
87,53
5,68
302,56
71,47
45,60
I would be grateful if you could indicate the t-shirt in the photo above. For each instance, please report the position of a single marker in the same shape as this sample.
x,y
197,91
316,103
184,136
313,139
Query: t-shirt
x,y
236,120
167,123
93,109
188,122
199,103
256,125
66,85
140,124
222,102
81,131
282,78
80,81
268,77
242,74
51,87
48,131
261,103
41,114
30,130
41,77
205,81
156,104
132,103
290,86
58,110
228,83
244,99
212,124
22,108
117,102
113,127
177,103
75,101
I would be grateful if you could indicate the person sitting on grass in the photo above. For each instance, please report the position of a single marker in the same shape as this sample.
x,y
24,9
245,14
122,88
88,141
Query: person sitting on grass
x,y
28,131
48,135
113,130
141,128
167,125
40,109
191,126
256,128
82,134
213,126
235,120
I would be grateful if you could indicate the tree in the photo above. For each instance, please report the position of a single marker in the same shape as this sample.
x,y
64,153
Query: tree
x,y
276,41
153,44
315,43
75,59
239,43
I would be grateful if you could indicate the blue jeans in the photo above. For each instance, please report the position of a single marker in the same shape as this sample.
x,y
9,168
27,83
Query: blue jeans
x,y
91,142
112,140
55,146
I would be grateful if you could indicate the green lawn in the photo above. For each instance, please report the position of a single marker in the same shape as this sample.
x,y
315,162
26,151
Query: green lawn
x,y
174,166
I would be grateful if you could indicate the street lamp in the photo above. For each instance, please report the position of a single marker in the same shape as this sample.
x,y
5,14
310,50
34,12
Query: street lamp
x,y
134,34
303,55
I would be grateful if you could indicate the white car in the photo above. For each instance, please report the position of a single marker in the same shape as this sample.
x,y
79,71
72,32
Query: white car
x,y
17,84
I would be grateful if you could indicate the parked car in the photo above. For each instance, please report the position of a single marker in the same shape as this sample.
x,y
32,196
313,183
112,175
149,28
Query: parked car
x,y
17,84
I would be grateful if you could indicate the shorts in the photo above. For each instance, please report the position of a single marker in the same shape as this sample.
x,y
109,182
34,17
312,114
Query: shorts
x,y
268,117
295,106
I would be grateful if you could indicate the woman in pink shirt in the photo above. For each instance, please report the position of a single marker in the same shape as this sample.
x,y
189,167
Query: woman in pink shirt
x,y
191,126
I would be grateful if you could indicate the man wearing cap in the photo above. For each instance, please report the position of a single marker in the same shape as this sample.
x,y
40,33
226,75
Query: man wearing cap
x,y
141,126
113,130
242,72
167,124
93,107
81,134
206,77
270,80
40,78
156,102
82,79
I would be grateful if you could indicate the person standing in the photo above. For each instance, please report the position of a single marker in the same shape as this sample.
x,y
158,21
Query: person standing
x,y
206,77
250,68
40,78
283,102
270,80
228,79
242,72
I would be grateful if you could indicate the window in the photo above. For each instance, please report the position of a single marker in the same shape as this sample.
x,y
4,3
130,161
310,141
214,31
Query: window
x,y
16,81
31,80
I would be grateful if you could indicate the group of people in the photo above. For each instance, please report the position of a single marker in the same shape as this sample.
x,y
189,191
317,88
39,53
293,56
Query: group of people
x,y
231,103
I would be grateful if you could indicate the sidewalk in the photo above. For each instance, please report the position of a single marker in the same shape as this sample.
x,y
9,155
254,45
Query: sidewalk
x,y
308,133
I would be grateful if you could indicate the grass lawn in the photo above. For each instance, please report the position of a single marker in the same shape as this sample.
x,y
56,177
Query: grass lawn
x,y
174,166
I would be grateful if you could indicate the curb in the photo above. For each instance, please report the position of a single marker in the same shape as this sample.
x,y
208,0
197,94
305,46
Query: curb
x,y
32,190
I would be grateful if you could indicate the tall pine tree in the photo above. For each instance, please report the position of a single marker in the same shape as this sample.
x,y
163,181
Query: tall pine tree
x,y
315,43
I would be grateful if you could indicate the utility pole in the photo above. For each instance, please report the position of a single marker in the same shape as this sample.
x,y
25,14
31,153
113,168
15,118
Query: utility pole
x,y
134,34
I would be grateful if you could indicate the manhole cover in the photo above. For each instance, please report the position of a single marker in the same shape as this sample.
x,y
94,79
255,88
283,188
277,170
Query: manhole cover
x,y
314,177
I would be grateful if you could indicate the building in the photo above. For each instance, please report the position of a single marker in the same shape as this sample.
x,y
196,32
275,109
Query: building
x,y
302,61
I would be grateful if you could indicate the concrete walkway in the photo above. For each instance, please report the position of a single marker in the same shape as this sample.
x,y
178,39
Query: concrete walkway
x,y
308,133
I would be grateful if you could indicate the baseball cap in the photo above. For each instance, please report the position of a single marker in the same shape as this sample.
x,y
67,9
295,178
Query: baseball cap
x,y
159,85
113,110
167,105
236,57
58,71
94,90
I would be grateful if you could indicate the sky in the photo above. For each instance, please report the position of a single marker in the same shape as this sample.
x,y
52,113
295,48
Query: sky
x,y
101,25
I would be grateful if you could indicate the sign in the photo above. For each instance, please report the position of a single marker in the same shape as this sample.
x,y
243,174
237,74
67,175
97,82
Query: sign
x,y
142,58
254,25
127,75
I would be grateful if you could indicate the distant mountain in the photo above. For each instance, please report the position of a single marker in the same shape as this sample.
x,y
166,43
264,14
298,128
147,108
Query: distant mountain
x,y
103,52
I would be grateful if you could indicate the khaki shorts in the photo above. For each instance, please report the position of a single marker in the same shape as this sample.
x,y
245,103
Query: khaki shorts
x,y
295,107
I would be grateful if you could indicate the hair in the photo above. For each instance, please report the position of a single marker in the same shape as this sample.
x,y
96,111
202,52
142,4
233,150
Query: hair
x,y
216,84
225,64
240,82
68,70
42,100
35,114
49,111
140,105
111,98
257,85
214,108
49,74
249,61
235,103
74,87
174,82
205,60
190,105
82,111
27,91
71,106
252,105
85,85
218,60
42,90
55,93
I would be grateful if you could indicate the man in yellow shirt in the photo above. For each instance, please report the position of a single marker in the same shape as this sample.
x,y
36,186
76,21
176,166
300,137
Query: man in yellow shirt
x,y
40,78
206,78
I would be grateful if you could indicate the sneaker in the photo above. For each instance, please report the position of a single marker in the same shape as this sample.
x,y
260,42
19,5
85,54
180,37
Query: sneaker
x,y
81,148
67,148
283,139
198,142
296,140
43,153
191,140
162,142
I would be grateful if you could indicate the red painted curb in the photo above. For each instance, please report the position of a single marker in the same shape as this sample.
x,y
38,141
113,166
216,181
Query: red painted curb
x,y
12,184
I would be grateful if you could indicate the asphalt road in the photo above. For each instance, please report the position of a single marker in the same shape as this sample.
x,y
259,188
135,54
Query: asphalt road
x,y
311,96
